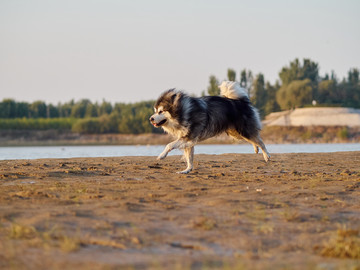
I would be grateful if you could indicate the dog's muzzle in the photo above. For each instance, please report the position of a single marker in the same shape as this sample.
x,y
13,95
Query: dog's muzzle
x,y
153,122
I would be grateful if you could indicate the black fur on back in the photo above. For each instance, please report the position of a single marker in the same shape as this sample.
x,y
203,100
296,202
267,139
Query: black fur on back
x,y
224,113
209,116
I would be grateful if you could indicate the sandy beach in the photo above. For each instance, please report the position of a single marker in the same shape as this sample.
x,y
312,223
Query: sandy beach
x,y
299,211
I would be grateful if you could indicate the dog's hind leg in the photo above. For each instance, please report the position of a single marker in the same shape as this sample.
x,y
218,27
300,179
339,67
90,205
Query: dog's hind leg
x,y
189,157
257,142
237,136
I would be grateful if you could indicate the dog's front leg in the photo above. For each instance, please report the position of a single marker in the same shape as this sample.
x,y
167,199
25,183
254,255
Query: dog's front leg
x,y
189,157
168,148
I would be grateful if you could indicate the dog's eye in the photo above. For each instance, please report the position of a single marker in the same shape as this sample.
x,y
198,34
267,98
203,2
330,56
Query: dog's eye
x,y
160,112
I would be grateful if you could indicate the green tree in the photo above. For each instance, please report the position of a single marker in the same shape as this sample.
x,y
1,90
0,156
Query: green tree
x,y
109,123
271,103
246,80
295,94
38,109
231,74
353,76
296,71
8,108
126,126
22,109
328,92
53,111
65,109
87,126
259,96
105,108
213,89
79,109
118,107
350,89
36,123
91,111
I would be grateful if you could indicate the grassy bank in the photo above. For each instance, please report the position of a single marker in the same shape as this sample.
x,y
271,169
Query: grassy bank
x,y
37,124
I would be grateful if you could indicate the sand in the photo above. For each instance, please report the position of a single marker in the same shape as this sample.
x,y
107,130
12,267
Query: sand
x,y
299,211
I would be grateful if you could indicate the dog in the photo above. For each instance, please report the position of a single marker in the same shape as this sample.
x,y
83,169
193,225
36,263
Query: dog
x,y
191,120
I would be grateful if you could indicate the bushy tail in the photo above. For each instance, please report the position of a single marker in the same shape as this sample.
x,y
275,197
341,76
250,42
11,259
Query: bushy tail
x,y
232,90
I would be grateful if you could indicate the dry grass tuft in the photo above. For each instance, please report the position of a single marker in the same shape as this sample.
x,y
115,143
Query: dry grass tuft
x,y
346,244
46,239
204,223
68,244
18,231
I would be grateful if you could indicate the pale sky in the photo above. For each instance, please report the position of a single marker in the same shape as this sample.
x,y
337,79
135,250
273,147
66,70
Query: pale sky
x,y
132,50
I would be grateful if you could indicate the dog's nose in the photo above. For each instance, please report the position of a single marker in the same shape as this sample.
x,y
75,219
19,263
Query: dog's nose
x,y
152,119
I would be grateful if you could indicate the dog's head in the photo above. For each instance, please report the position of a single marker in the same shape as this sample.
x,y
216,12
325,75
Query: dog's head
x,y
165,108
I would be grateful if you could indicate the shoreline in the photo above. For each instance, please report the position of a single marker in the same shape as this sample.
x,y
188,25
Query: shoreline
x,y
299,211
152,151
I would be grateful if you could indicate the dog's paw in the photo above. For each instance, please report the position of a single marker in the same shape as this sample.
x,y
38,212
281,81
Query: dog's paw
x,y
267,158
162,156
185,171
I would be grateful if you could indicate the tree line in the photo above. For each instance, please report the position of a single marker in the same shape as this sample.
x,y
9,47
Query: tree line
x,y
82,116
299,85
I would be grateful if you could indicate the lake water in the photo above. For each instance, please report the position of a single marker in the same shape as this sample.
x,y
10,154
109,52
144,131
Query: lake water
x,y
30,152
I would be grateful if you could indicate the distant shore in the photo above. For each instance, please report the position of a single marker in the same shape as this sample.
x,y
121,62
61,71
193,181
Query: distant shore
x,y
270,134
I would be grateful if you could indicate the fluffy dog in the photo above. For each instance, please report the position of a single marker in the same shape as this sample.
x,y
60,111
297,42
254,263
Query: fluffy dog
x,y
192,120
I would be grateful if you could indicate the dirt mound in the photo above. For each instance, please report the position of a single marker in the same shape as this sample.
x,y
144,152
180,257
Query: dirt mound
x,y
315,117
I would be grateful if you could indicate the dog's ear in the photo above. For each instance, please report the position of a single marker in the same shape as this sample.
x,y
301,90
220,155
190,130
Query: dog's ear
x,y
173,97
